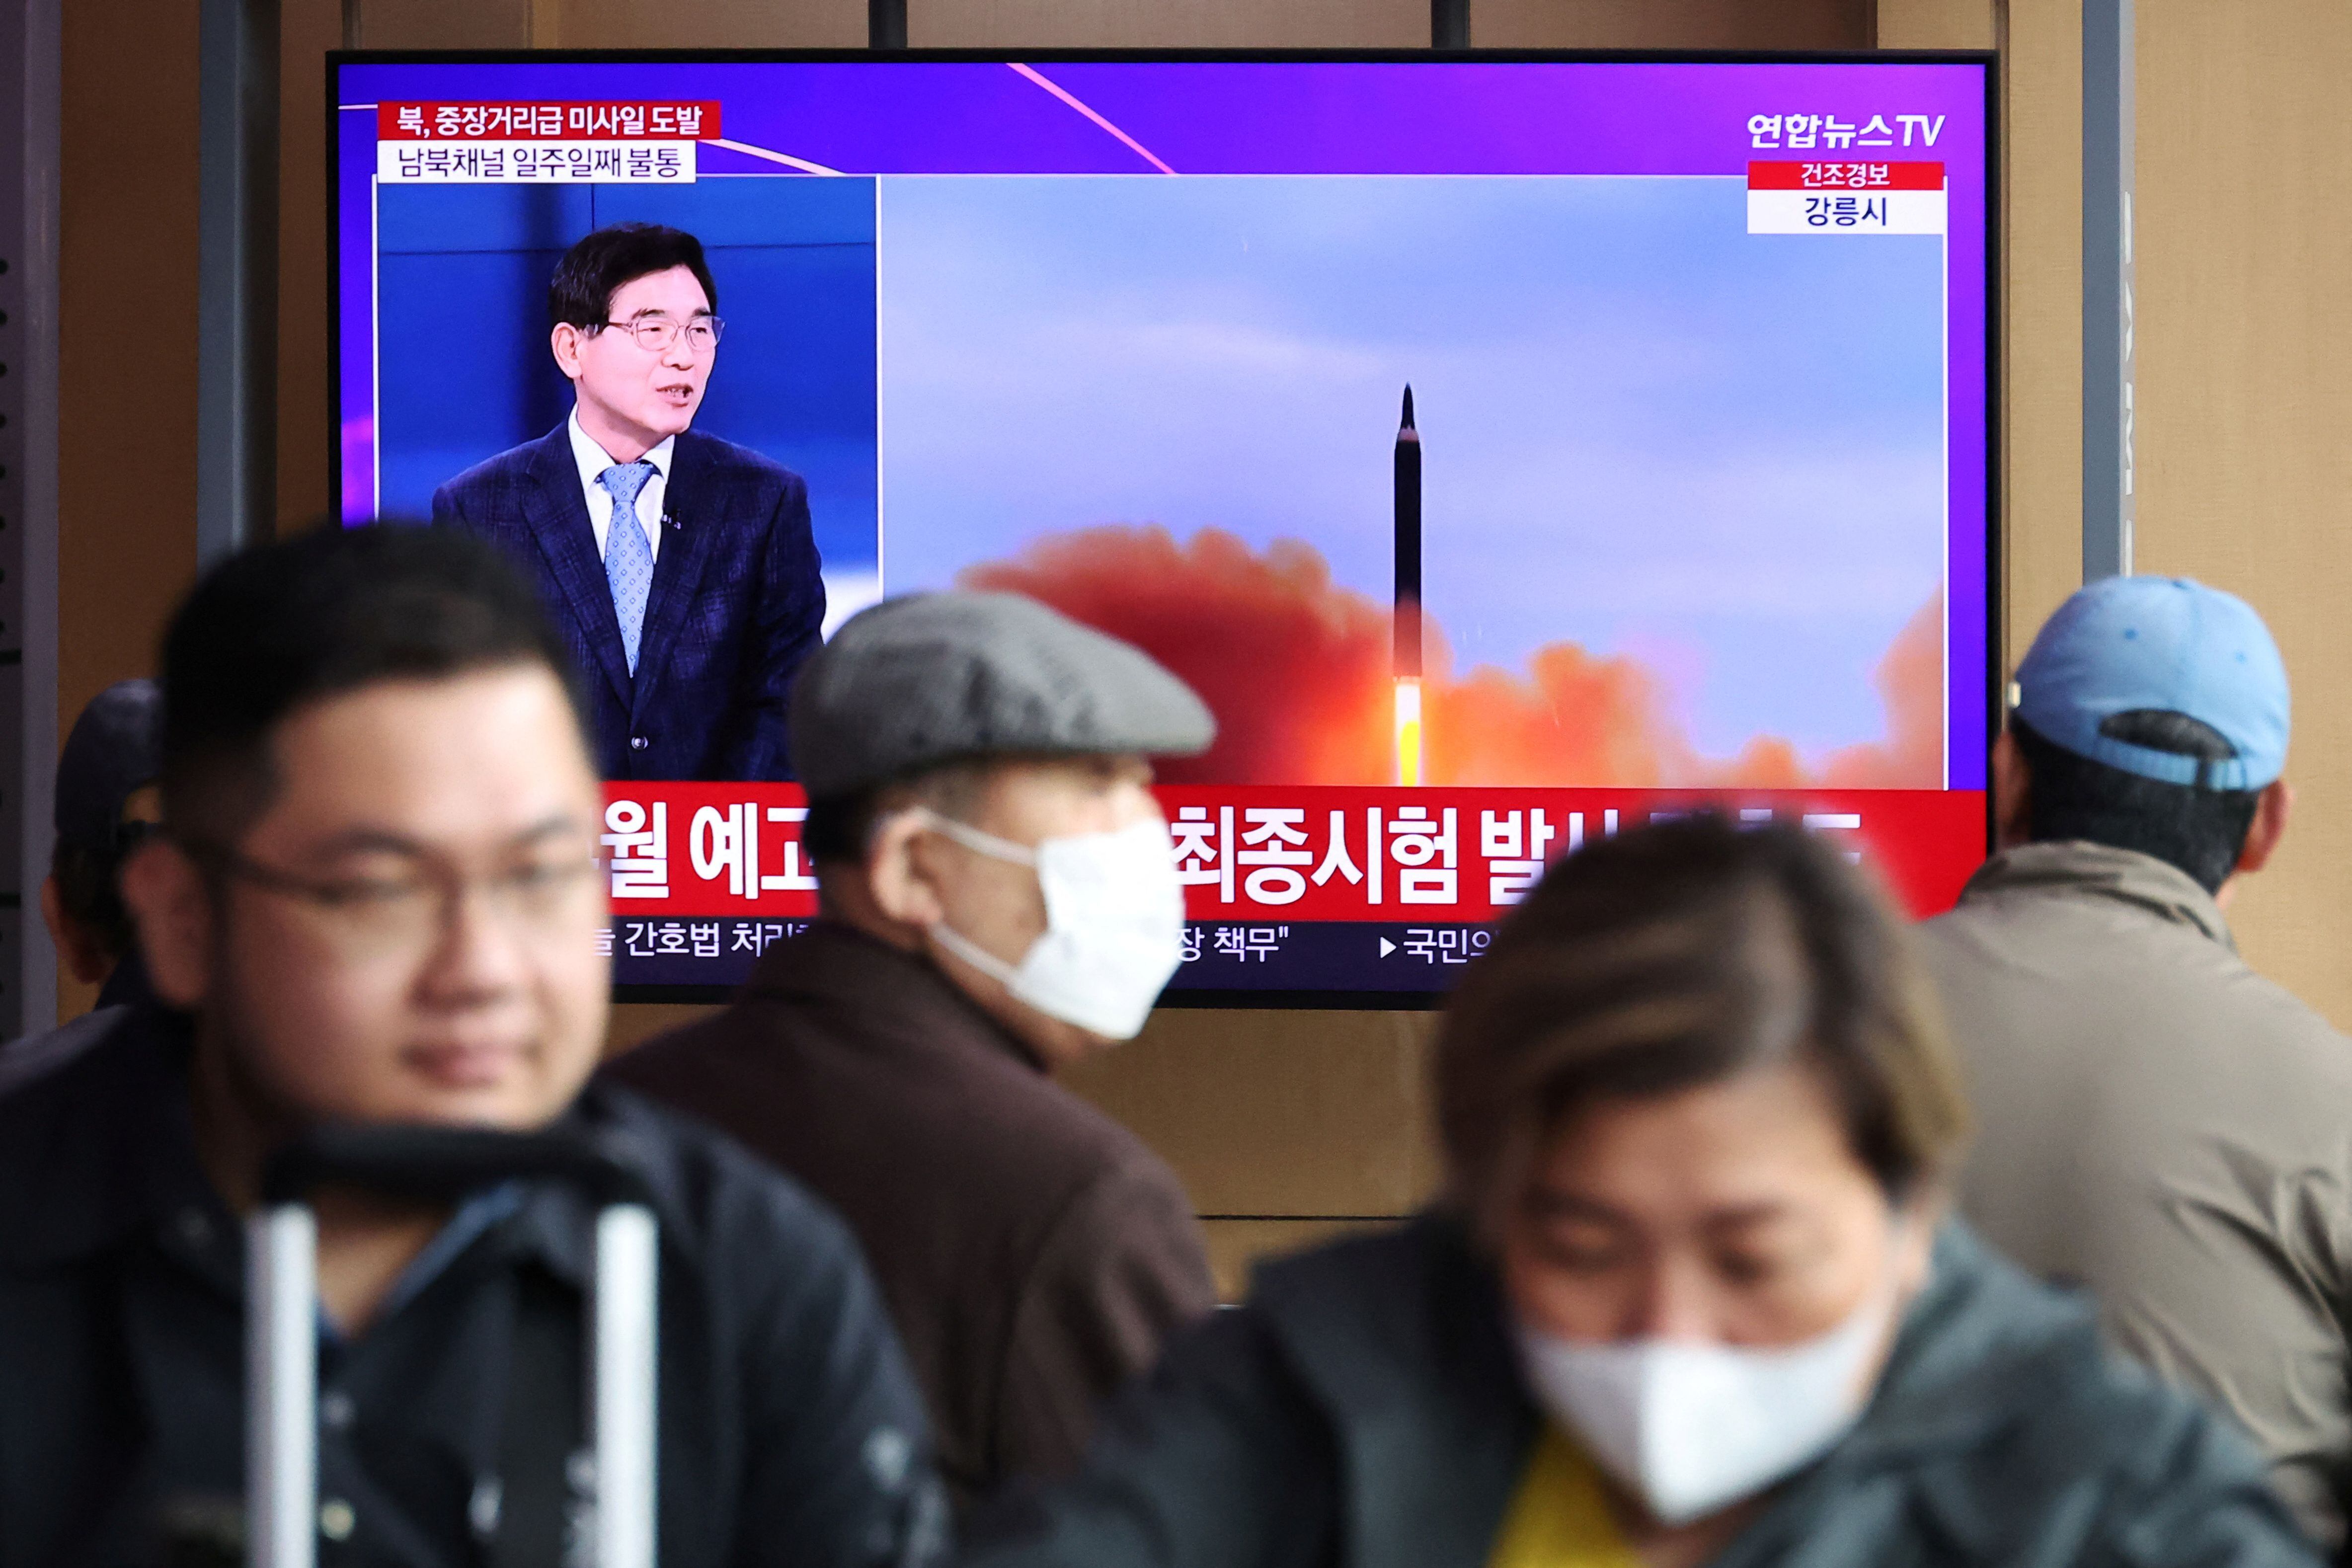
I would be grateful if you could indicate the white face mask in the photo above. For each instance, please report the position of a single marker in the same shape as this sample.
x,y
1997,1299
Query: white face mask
x,y
1691,1427
1114,925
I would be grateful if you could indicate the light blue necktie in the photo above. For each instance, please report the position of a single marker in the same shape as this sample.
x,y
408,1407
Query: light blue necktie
x,y
628,556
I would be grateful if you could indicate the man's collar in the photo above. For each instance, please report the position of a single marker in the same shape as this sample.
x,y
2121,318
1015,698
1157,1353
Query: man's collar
x,y
888,989
2100,870
592,459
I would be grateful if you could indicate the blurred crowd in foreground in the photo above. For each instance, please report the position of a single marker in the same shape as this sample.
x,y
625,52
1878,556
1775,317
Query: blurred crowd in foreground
x,y
1773,1231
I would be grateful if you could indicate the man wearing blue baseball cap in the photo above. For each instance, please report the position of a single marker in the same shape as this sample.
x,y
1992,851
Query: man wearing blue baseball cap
x,y
2158,1122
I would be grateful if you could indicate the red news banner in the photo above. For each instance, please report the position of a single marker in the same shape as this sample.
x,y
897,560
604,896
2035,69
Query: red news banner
x,y
1306,854
634,121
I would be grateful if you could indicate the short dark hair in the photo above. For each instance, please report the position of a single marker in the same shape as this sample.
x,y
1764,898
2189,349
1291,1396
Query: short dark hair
x,y
602,263
281,626
2200,831
840,827
1681,954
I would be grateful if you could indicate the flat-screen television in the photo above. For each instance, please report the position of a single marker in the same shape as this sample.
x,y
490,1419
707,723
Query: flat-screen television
x,y
1510,449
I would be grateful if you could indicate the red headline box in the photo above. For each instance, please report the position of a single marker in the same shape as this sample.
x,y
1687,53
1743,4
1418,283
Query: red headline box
x,y
626,121
1845,175
1311,853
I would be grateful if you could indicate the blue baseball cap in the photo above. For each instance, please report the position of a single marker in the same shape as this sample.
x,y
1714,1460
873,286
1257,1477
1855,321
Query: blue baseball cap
x,y
2128,645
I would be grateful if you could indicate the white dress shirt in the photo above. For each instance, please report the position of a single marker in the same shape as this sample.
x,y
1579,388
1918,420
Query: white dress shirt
x,y
593,460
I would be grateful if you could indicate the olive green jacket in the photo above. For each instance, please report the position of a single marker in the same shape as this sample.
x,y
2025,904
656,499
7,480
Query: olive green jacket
x,y
2157,1122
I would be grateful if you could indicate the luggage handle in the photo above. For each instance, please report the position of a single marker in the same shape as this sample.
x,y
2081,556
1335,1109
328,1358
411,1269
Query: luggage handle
x,y
444,1164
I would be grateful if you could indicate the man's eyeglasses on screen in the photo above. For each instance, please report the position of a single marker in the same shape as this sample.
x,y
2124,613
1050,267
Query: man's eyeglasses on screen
x,y
655,333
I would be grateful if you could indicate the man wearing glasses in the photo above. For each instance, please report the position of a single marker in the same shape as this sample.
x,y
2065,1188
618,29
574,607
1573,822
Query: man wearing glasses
x,y
680,567
372,899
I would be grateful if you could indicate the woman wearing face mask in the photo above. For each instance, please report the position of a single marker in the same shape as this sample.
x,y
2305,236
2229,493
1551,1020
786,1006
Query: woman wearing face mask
x,y
1692,1297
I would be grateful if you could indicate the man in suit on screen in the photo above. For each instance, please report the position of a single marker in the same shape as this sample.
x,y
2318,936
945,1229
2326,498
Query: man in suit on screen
x,y
680,567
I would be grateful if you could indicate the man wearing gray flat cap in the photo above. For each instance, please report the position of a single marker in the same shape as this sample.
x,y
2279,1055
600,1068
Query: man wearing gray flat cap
x,y
996,898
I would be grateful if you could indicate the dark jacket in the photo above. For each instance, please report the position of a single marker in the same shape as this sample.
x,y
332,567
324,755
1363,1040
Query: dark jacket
x,y
790,1433
1364,1411
1034,1253
737,601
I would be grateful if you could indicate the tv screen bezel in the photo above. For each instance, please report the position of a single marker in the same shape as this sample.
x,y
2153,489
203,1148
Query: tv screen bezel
x,y
1995,596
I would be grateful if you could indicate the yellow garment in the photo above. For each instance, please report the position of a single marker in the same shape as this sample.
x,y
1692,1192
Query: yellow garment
x,y
1560,1517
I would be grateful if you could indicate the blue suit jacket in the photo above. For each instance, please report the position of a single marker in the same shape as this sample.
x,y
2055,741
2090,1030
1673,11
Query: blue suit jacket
x,y
735,605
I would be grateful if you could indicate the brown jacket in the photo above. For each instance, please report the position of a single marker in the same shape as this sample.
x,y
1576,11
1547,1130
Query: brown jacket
x,y
2158,1122
1034,1253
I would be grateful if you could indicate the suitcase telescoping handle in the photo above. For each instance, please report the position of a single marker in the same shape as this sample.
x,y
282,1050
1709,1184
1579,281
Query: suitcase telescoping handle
x,y
443,1164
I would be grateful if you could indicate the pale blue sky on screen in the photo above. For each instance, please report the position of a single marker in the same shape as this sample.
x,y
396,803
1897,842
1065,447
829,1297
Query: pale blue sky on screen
x,y
1645,430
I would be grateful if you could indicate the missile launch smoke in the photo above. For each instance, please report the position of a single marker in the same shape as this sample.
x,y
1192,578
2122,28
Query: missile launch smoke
x,y
1298,671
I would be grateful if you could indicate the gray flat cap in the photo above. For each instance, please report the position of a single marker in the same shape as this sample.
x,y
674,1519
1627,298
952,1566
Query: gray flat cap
x,y
929,679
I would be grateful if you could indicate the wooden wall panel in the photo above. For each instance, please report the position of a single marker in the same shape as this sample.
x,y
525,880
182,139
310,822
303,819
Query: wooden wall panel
x,y
306,425
2042,169
1236,1246
635,1023
1670,24
2245,468
127,346
1315,1116
1279,1115
442,24
128,341
699,24
1168,24
1938,24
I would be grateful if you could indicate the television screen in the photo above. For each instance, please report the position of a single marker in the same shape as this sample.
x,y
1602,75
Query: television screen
x,y
1509,449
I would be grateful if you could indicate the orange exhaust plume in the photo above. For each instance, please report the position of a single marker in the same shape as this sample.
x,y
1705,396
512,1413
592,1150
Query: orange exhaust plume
x,y
1296,669
1298,672
1910,681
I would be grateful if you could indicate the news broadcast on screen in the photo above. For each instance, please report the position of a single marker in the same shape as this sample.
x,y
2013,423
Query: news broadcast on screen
x,y
1508,450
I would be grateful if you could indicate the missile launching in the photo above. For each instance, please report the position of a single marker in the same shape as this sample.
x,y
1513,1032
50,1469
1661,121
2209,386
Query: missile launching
x,y
1406,650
